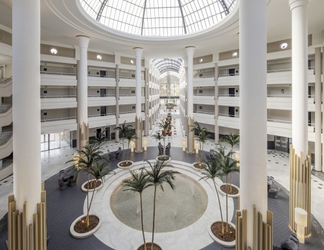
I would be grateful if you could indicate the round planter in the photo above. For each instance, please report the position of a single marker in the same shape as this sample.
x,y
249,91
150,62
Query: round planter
x,y
219,241
148,247
198,169
229,195
83,235
92,189
166,161
127,167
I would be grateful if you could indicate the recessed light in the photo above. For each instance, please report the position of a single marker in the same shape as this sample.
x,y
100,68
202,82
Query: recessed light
x,y
54,51
284,45
234,54
99,57
201,60
132,61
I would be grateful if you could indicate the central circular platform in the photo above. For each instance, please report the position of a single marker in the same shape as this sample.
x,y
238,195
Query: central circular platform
x,y
175,209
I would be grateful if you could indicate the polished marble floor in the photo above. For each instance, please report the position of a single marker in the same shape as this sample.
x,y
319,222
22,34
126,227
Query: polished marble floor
x,y
278,167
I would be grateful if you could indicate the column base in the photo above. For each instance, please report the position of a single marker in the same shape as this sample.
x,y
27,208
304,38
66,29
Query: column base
x,y
32,236
300,188
262,231
83,135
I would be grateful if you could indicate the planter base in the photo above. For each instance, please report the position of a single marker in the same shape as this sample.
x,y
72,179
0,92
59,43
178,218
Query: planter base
x,y
91,190
85,234
122,164
148,246
218,240
229,195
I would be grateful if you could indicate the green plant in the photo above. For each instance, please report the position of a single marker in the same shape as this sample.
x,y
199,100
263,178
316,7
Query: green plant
x,y
158,136
231,139
164,127
197,129
228,166
138,183
211,171
123,130
157,176
100,139
202,138
85,161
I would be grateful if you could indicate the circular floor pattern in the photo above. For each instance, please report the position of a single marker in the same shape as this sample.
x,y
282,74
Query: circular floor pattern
x,y
118,235
175,209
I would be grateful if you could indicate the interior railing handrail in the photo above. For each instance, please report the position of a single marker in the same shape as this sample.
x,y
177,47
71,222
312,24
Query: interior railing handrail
x,y
5,80
7,139
57,73
58,119
58,96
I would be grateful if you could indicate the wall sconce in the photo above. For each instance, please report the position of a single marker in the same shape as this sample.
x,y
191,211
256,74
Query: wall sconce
x,y
145,143
301,221
197,146
132,146
184,144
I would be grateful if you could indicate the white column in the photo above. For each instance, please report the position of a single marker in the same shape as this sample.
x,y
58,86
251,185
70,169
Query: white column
x,y
318,114
190,52
138,118
253,106
26,105
83,91
299,76
323,110
138,54
117,102
216,131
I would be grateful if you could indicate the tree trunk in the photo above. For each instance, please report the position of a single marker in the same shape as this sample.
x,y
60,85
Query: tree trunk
x,y
142,220
154,201
220,206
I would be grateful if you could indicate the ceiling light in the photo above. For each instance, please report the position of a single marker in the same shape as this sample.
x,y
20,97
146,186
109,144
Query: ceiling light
x,y
201,60
132,61
99,57
234,54
54,51
284,45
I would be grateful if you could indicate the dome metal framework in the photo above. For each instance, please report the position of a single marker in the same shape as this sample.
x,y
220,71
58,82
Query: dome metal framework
x,y
160,18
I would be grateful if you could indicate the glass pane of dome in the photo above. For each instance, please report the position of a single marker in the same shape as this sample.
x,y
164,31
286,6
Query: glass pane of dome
x,y
158,17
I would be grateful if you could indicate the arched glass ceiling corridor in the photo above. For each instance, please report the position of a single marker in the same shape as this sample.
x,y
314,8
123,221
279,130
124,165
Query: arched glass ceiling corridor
x,y
158,17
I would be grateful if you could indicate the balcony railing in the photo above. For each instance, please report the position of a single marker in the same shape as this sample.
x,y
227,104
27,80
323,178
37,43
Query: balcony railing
x,y
279,121
228,115
5,107
57,73
102,95
5,80
5,137
204,112
205,94
57,119
58,96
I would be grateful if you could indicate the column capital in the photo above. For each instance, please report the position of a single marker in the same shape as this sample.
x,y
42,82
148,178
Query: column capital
x,y
190,50
298,3
138,51
83,41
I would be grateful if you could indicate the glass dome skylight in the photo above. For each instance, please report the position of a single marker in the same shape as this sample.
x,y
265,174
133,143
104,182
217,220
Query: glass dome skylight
x,y
158,17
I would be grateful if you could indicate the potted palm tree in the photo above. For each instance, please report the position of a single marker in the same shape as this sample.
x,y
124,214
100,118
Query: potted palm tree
x,y
202,137
123,130
129,136
98,171
228,166
158,136
217,230
231,139
157,175
87,160
138,183
100,139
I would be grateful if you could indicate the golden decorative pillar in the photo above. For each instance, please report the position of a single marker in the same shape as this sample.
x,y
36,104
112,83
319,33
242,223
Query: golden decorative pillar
x,y
262,231
300,188
21,235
